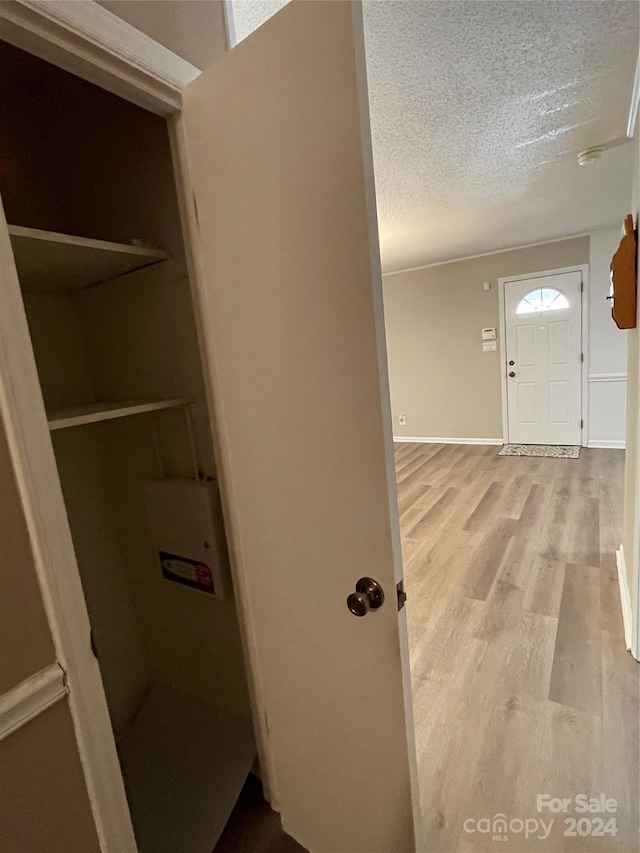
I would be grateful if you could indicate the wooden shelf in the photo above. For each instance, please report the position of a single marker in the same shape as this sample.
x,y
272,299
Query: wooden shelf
x,y
184,764
95,412
48,262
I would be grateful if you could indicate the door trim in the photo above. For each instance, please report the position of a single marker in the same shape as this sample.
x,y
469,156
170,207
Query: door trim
x,y
83,38
502,337
92,43
625,601
23,414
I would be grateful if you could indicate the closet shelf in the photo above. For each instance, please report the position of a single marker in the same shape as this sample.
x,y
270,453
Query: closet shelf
x,y
48,262
184,762
95,412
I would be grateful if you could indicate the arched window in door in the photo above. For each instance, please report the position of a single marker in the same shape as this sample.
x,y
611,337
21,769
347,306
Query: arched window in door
x,y
542,299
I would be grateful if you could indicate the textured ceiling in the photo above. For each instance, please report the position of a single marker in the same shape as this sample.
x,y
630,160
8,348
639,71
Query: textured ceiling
x,y
478,111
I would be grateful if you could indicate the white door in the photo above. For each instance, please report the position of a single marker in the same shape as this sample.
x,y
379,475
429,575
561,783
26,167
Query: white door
x,y
276,136
543,358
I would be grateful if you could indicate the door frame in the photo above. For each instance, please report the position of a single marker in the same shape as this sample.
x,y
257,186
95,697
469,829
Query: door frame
x,y
88,41
502,337
24,417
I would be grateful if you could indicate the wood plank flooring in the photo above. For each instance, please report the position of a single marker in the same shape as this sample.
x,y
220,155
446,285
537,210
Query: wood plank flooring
x,y
522,684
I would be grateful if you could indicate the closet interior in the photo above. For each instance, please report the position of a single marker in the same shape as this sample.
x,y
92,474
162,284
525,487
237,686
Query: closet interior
x,y
88,190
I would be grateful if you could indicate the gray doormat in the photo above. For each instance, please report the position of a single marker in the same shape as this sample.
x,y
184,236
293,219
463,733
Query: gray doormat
x,y
556,451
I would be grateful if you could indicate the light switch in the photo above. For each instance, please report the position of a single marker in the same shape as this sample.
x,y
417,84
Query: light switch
x,y
489,346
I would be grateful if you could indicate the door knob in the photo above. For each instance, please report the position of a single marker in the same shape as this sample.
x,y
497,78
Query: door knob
x,y
511,363
511,373
368,596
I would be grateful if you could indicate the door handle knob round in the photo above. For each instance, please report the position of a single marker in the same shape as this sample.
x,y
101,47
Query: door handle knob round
x,y
511,373
511,363
369,595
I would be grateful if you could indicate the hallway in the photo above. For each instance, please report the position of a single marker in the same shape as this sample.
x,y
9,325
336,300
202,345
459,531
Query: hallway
x,y
522,684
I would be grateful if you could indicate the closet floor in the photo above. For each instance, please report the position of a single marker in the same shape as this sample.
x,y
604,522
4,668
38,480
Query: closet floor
x,y
254,827
184,762
521,681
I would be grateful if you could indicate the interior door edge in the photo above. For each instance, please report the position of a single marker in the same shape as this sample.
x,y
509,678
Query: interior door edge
x,y
191,234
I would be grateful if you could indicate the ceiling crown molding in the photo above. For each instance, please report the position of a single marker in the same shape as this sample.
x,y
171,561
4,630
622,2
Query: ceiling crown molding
x,y
93,43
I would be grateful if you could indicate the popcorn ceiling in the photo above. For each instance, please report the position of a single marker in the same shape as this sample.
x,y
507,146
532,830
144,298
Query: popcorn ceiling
x,y
478,111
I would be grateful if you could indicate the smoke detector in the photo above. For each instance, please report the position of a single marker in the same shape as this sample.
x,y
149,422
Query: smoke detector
x,y
586,157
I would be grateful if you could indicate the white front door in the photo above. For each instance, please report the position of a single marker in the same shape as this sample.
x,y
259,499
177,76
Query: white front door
x,y
544,359
276,136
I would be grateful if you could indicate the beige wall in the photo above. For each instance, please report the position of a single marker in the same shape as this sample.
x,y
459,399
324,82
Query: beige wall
x,y
440,378
44,807
194,29
25,640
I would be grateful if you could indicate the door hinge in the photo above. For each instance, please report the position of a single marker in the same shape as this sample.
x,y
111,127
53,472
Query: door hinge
x,y
582,287
402,595
581,423
581,356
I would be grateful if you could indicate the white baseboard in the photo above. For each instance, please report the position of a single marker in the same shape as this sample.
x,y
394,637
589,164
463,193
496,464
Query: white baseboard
x,y
447,440
607,444
625,597
30,698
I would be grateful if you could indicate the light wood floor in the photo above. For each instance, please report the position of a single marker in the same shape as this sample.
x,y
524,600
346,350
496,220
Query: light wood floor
x,y
522,684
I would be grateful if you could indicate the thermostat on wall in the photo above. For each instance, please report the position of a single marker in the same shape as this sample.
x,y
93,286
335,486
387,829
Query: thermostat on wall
x,y
488,334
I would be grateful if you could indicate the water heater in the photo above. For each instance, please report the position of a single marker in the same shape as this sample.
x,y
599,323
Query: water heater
x,y
185,526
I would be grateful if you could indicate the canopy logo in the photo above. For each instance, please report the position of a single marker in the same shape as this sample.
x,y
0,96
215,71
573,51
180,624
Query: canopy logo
x,y
500,827
595,819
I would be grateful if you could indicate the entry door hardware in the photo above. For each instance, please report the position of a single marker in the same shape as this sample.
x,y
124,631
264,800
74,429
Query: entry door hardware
x,y
368,596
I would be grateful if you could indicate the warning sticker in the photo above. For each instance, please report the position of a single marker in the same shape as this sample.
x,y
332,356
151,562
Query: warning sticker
x,y
182,570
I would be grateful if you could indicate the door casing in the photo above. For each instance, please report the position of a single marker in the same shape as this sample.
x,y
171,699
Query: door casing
x,y
83,38
90,42
502,337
